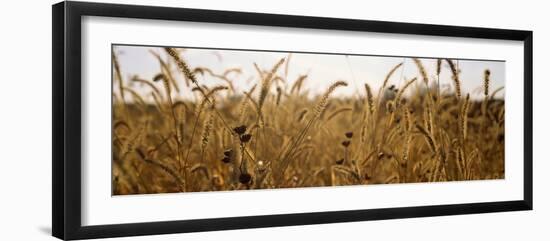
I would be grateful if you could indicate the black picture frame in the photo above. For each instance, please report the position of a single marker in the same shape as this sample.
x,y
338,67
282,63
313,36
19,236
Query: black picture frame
x,y
66,129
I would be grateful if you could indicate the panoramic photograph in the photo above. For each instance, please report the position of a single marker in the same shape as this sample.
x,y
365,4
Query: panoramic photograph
x,y
204,119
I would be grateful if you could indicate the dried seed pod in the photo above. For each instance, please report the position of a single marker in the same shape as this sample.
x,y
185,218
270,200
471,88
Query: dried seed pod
x,y
346,143
245,178
226,159
240,129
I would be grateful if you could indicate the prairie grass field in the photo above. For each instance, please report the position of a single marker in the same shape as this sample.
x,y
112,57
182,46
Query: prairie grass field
x,y
177,132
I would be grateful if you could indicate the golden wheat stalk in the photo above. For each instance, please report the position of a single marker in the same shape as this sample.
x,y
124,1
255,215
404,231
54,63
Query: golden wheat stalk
x,y
266,83
456,79
168,91
370,101
495,92
298,84
486,80
388,76
165,70
402,90
422,70
190,75
118,75
198,112
322,104
428,137
182,65
407,126
460,163
464,118
205,135
428,119
208,98
319,108
337,112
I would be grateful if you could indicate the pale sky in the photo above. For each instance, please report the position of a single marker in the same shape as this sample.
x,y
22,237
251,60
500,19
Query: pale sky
x,y
322,69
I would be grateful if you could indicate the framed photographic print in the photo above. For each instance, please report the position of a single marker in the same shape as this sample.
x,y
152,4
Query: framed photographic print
x,y
169,120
